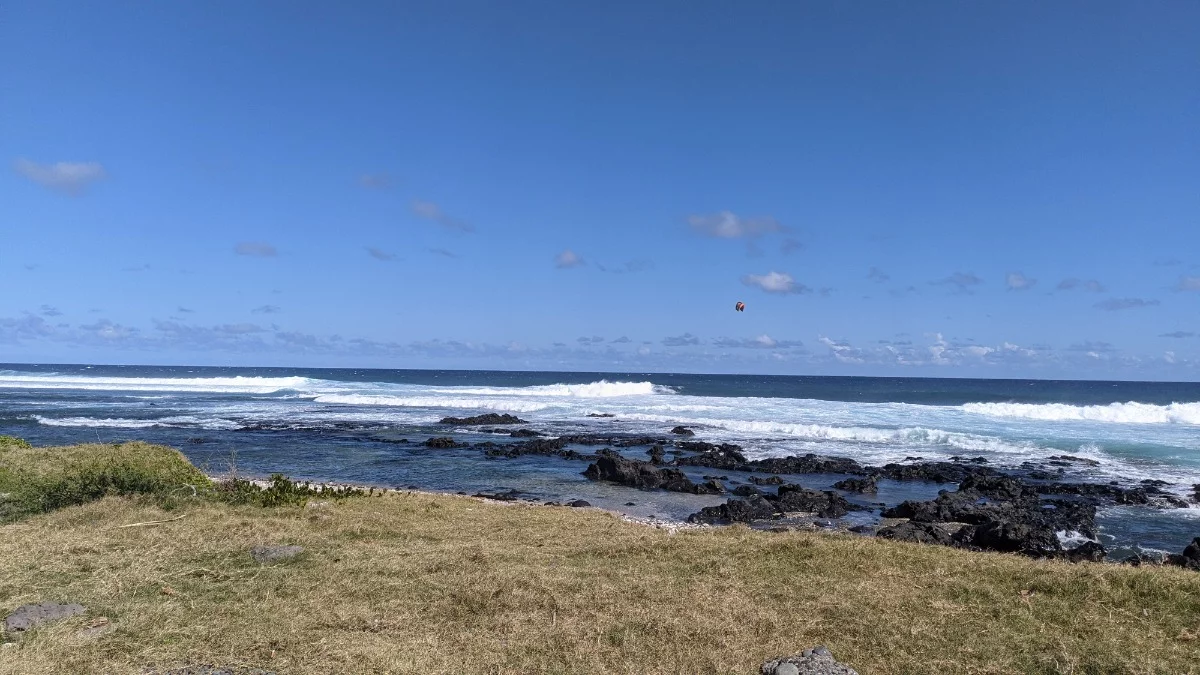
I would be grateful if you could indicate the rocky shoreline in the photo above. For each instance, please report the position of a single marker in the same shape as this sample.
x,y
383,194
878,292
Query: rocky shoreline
x,y
1018,510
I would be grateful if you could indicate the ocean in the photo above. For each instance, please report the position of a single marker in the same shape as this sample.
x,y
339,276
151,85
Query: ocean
x,y
348,426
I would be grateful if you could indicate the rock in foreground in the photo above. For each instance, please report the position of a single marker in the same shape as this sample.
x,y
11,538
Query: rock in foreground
x,y
29,616
271,554
816,661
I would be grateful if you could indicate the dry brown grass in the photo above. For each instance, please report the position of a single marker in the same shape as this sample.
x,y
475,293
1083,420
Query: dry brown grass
x,y
428,583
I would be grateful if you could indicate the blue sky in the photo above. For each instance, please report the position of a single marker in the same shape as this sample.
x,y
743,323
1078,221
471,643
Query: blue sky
x,y
937,188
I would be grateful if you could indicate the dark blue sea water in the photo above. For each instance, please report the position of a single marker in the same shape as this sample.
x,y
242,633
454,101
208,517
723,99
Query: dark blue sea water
x,y
342,425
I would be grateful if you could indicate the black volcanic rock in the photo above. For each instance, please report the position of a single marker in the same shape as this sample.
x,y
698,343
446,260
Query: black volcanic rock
x,y
769,480
870,484
935,472
525,433
633,473
808,463
489,418
443,443
791,498
683,431
920,533
1009,536
656,454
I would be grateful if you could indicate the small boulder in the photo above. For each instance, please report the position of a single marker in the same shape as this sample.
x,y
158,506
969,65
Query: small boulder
x,y
443,443
265,555
28,616
870,484
683,431
579,503
816,661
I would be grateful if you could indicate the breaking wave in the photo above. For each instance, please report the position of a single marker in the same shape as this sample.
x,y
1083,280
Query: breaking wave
x,y
216,385
907,436
1116,413
432,402
122,423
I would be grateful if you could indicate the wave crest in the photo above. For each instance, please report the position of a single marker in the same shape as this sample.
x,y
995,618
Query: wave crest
x,y
1114,413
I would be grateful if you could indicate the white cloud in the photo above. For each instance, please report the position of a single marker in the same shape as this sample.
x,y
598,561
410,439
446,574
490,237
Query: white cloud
x,y
375,181
69,177
260,249
380,254
1019,282
775,282
1188,284
842,351
1117,304
961,280
431,211
726,225
761,342
685,340
1091,285
568,259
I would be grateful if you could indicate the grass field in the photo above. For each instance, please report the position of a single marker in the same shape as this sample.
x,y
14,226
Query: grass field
x,y
413,582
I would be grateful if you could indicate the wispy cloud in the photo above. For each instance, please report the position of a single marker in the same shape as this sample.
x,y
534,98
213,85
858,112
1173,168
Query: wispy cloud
x,y
1188,284
1116,304
70,178
184,310
265,309
1168,262
842,351
1091,285
1178,334
790,245
685,340
443,252
1019,282
963,281
877,275
145,267
568,259
594,340
1092,346
380,254
375,181
259,249
761,342
775,282
726,225
433,212
622,340
47,310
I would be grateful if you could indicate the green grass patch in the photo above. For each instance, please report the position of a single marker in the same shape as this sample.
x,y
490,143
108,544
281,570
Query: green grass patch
x,y
39,480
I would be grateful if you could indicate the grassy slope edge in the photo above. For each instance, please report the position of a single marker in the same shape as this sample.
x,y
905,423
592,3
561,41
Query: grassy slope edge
x,y
412,582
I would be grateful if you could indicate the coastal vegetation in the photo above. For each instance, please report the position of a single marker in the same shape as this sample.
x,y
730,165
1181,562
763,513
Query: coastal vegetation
x,y
415,582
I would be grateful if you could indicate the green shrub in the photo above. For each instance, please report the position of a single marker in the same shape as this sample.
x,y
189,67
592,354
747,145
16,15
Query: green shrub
x,y
279,491
13,440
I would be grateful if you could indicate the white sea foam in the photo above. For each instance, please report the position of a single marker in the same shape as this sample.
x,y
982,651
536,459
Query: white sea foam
x,y
122,423
1071,538
432,402
907,436
228,385
1118,413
